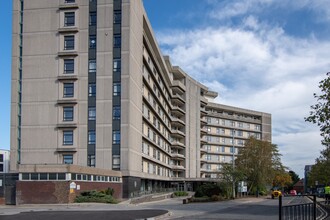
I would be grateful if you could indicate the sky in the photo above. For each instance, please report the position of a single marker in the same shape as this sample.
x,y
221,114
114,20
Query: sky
x,y
264,55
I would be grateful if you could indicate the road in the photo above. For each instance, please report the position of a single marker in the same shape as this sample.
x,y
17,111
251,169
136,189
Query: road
x,y
244,208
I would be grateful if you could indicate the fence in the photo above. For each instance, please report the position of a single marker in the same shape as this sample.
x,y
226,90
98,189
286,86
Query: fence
x,y
305,210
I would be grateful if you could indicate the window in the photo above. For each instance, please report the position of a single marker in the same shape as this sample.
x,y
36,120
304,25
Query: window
x,y
69,42
68,137
68,113
92,18
117,40
69,1
117,17
116,89
116,161
92,66
116,65
116,137
91,113
92,89
69,19
1,168
92,41
116,112
68,159
91,137
68,90
1,157
91,160
68,65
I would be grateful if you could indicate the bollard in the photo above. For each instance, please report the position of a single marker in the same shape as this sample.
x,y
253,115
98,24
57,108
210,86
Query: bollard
x,y
280,207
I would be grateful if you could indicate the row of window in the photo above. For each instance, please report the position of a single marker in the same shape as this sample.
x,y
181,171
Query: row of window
x,y
68,176
231,123
224,140
218,158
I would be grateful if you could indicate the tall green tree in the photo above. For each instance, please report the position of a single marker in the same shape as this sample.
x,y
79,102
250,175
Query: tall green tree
x,y
295,177
259,161
320,115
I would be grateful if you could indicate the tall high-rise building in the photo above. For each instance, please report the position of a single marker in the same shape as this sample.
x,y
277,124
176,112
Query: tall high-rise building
x,y
91,90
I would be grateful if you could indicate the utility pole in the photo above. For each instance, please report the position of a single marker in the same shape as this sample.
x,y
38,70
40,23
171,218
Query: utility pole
x,y
233,161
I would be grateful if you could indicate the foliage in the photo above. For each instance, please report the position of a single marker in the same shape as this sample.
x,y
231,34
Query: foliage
x,y
228,175
294,177
282,179
320,113
208,190
180,193
259,161
96,196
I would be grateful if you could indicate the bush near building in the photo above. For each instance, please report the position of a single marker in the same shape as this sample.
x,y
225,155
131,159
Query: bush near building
x,y
180,193
104,196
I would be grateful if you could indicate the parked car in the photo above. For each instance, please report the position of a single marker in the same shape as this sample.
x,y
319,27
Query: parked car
x,y
293,192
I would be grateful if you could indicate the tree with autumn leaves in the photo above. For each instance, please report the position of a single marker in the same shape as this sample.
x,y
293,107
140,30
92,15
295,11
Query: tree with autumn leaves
x,y
259,163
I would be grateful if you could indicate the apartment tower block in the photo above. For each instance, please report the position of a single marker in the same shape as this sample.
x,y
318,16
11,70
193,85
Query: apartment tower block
x,y
94,100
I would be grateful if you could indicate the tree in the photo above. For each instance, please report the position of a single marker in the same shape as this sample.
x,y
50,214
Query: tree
x,y
320,113
282,179
294,177
259,161
229,177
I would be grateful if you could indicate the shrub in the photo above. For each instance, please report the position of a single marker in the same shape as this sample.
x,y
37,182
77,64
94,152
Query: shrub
x,y
96,196
180,193
208,190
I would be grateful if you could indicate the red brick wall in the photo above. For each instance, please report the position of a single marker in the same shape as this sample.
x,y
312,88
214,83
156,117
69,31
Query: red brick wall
x,y
52,192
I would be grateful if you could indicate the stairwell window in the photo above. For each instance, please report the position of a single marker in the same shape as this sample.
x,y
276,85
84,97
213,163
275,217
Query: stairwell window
x,y
69,42
69,19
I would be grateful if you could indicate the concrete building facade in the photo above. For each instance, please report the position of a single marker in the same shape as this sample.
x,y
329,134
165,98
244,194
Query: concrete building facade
x,y
91,89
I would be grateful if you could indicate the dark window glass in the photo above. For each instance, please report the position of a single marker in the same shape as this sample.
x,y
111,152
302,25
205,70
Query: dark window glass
x,y
61,176
34,176
69,66
69,1
91,113
91,137
116,112
116,137
1,168
52,176
69,19
92,41
68,137
92,18
1,157
68,159
69,42
116,41
117,17
91,161
92,89
25,176
68,113
68,90
116,89
43,176
92,66
116,65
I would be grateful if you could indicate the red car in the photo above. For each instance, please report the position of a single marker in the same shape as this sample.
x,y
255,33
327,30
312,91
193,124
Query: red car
x,y
293,192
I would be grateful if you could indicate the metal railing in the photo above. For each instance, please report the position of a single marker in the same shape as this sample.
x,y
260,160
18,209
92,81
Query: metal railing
x,y
308,209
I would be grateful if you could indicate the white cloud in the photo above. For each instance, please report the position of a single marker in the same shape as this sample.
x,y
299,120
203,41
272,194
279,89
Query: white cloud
x,y
259,67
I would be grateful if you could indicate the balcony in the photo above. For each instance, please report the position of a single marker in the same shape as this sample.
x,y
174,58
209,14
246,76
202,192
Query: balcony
x,y
178,87
178,168
65,53
178,122
177,156
203,101
204,141
203,131
178,133
203,111
178,111
177,144
203,150
178,100
203,121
